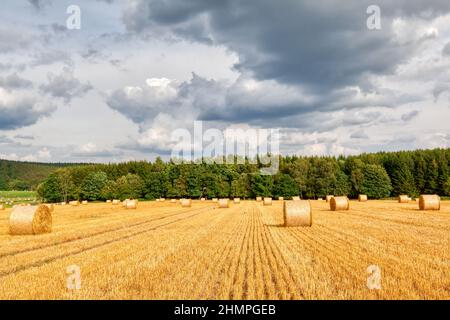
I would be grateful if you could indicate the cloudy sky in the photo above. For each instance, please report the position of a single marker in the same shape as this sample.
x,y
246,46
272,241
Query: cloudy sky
x,y
136,70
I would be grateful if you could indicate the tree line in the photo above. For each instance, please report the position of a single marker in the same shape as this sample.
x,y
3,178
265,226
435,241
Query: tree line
x,y
379,175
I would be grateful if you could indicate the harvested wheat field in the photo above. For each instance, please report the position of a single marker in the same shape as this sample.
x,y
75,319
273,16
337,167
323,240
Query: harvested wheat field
x,y
164,251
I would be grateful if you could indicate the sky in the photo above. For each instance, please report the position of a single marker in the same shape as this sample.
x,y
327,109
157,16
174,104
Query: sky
x,y
116,88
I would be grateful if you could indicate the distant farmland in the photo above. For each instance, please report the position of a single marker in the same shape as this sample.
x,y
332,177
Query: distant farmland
x,y
17,194
10,198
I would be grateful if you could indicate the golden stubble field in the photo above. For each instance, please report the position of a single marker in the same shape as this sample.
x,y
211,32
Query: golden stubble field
x,y
163,251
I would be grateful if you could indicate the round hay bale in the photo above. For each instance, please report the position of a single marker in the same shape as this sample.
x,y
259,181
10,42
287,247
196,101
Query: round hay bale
x,y
131,204
63,203
115,202
84,202
185,203
215,199
297,213
108,201
280,198
403,198
202,199
259,199
2,207
224,203
362,198
267,201
157,200
296,198
320,199
124,202
162,199
339,203
237,200
30,220
429,202
173,201
328,198
74,203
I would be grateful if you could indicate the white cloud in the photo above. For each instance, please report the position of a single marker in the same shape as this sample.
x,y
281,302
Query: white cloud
x,y
91,151
41,155
10,156
44,154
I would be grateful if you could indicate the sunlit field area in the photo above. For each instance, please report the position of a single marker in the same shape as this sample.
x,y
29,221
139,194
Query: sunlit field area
x,y
10,198
164,251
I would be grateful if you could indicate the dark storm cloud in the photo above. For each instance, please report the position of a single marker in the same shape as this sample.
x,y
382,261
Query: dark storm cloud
x,y
22,112
319,45
264,103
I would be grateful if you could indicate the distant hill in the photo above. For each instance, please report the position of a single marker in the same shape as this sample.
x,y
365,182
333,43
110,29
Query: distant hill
x,y
16,175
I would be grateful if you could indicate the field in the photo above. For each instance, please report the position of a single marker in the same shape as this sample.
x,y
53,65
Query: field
x,y
15,197
163,251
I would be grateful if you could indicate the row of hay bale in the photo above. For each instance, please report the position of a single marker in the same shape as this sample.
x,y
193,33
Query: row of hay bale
x,y
221,203
127,203
361,198
426,202
267,201
299,213
74,203
261,199
216,200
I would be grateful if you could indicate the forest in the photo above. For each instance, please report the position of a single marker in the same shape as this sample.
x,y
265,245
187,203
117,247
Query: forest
x,y
379,175
25,176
